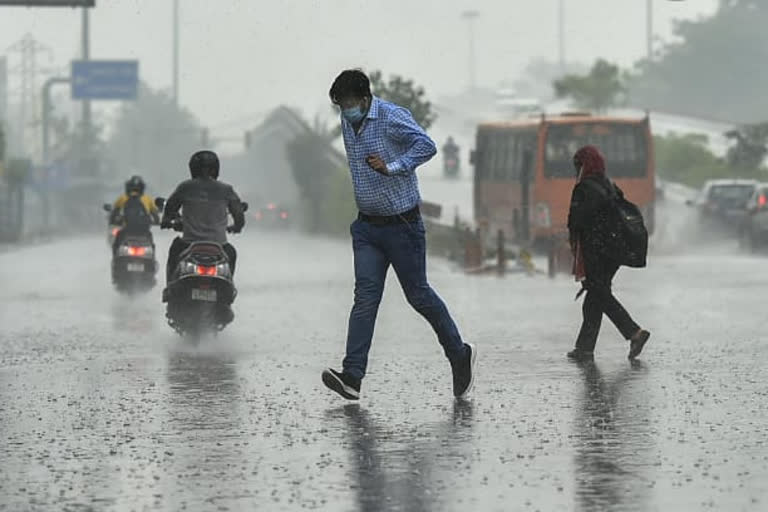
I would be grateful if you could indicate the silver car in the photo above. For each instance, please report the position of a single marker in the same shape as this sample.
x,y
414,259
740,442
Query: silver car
x,y
724,202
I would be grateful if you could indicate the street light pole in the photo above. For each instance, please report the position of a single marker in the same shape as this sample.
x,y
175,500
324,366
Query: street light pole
x,y
561,34
470,16
46,115
86,41
176,51
649,29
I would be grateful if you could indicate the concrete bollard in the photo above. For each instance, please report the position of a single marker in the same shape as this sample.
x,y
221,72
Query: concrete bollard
x,y
473,250
501,253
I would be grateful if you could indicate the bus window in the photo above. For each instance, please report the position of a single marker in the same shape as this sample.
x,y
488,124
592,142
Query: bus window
x,y
624,147
491,155
481,157
500,156
506,149
524,142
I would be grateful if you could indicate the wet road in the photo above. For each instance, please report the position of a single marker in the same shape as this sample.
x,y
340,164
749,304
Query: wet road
x,y
102,407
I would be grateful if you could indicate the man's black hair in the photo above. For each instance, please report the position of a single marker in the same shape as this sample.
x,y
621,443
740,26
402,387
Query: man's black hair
x,y
351,83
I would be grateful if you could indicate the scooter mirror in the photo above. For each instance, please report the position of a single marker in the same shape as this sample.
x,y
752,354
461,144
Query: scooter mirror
x,y
160,202
107,207
245,206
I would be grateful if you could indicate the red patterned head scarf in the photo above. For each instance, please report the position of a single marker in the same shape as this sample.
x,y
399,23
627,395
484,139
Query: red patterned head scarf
x,y
590,162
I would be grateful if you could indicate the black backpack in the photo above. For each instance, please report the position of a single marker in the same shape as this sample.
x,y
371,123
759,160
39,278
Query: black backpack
x,y
627,238
135,216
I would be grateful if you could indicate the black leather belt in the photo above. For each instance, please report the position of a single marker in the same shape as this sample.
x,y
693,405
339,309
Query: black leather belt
x,y
409,216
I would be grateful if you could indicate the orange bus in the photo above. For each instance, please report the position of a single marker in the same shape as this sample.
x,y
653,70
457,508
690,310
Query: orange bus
x,y
524,173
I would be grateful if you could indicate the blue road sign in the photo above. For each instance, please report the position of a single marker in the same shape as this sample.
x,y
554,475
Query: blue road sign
x,y
105,79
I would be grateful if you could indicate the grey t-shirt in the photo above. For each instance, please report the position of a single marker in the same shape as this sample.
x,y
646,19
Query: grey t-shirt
x,y
204,204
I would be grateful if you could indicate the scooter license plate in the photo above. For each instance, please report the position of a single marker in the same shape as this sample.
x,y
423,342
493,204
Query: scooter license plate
x,y
204,295
135,267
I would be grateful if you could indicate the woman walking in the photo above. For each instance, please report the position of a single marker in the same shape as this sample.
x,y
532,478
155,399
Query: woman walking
x,y
594,266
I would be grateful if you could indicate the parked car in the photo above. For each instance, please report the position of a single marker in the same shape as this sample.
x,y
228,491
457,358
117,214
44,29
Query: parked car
x,y
754,233
723,203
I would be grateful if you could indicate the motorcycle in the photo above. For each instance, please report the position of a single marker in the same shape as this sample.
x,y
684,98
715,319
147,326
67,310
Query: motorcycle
x,y
451,167
133,259
201,289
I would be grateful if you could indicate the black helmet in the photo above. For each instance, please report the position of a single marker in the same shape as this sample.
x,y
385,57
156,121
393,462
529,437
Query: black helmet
x,y
204,163
135,184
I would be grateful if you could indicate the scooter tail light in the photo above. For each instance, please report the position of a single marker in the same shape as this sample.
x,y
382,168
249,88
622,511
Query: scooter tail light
x,y
203,270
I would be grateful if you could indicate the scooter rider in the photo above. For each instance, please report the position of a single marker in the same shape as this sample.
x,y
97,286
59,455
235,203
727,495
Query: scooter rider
x,y
204,203
134,211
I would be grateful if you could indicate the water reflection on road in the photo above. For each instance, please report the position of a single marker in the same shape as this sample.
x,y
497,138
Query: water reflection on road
x,y
390,471
612,441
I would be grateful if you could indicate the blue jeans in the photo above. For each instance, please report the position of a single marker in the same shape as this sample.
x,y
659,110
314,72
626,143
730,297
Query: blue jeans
x,y
404,247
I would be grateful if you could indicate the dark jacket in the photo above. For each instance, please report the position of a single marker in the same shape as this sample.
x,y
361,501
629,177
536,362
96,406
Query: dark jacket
x,y
589,220
204,204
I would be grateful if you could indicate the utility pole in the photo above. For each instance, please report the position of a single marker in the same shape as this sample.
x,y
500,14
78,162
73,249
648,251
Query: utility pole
x,y
46,116
86,55
649,29
561,35
86,164
176,51
470,17
28,50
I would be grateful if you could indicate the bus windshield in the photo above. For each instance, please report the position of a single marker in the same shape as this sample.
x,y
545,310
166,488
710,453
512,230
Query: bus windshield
x,y
624,146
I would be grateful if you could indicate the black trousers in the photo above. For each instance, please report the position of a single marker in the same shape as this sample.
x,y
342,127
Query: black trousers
x,y
599,299
179,246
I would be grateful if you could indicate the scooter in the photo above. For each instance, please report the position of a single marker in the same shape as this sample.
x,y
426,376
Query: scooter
x,y
133,259
201,290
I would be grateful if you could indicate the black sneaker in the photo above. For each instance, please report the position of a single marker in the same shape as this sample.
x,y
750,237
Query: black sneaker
x,y
580,355
464,373
637,343
342,383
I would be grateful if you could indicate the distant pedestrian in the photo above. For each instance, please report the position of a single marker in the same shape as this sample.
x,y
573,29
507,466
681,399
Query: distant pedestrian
x,y
591,228
384,146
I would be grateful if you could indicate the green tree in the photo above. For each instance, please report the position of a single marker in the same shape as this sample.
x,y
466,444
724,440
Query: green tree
x,y
405,93
599,89
154,137
749,149
687,159
324,182
715,68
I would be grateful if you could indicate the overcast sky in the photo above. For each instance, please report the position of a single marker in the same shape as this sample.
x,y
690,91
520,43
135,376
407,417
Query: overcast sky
x,y
241,57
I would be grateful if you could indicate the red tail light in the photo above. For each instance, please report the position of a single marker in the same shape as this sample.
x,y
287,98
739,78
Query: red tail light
x,y
762,200
115,231
137,251
205,271
271,206
283,215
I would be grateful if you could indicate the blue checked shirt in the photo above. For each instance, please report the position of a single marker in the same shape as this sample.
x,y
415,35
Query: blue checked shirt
x,y
390,132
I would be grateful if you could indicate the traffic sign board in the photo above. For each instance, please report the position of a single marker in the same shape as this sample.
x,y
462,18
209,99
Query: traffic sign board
x,y
105,79
50,3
